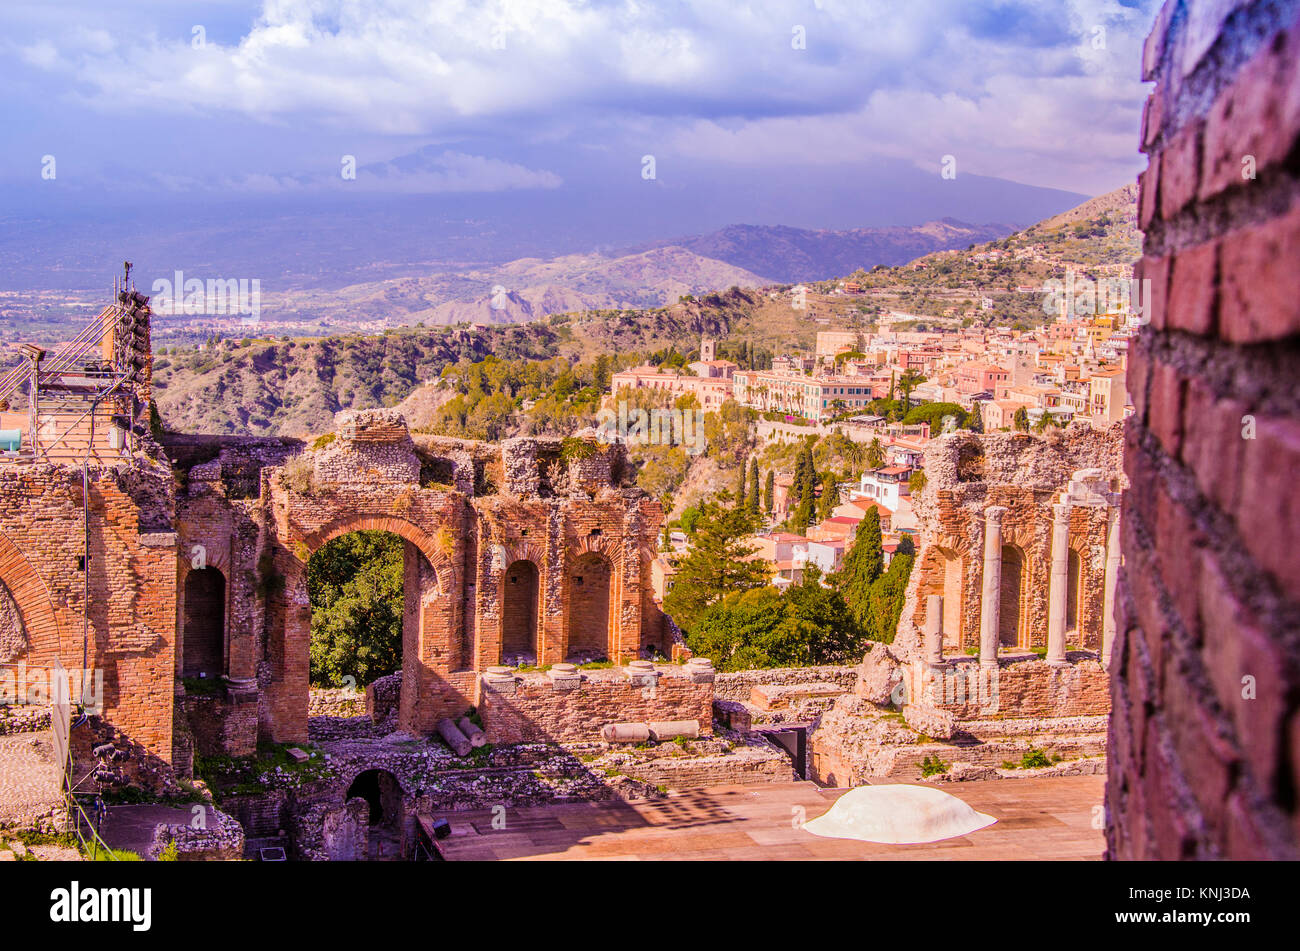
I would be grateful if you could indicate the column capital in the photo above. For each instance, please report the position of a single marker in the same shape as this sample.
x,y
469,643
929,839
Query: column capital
x,y
994,513
1061,511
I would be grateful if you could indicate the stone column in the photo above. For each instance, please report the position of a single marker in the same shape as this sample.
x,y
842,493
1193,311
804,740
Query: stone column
x,y
1057,595
934,630
991,598
1112,573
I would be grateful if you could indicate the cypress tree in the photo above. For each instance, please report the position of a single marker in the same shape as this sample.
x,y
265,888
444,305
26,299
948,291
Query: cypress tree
x,y
769,492
751,500
862,566
830,497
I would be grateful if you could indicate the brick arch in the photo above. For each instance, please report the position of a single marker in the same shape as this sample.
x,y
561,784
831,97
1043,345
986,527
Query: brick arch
x,y
591,616
40,620
522,549
443,567
943,572
590,544
214,557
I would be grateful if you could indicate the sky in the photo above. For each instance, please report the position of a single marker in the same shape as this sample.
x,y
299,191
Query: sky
x,y
276,97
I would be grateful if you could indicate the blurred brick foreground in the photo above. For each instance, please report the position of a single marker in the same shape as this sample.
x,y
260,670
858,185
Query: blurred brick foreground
x,y
1204,750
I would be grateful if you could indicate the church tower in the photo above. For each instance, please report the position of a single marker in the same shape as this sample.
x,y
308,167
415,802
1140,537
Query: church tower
x,y
706,349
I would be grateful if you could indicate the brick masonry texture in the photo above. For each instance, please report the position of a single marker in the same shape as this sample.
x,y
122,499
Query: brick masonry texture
x,y
532,708
254,510
1204,747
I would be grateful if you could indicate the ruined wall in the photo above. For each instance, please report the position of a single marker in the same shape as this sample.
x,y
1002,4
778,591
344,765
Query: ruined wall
x,y
132,584
1205,735
968,473
535,708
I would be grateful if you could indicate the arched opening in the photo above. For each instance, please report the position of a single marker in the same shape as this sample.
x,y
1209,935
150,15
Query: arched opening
x,y
521,609
203,641
13,640
1073,580
951,600
381,790
589,584
355,587
1012,593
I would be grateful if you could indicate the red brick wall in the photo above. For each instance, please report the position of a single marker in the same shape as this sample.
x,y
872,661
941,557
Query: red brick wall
x,y
1205,736
132,572
535,710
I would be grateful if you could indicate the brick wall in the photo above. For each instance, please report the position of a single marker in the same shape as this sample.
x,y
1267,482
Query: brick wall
x,y
1205,736
532,709
130,630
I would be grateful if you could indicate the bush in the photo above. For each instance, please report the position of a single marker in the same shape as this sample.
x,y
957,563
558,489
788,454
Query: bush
x,y
932,765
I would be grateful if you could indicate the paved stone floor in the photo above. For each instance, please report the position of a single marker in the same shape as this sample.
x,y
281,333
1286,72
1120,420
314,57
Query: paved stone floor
x,y
131,827
29,778
1037,819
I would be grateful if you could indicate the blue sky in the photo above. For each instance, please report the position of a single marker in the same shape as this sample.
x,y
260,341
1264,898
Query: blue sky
x,y
233,97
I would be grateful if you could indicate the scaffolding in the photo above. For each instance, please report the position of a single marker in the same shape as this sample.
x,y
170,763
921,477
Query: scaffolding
x,y
89,401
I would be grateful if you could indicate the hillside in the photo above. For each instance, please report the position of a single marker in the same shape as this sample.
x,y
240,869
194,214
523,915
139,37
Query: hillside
x,y
1098,239
294,386
789,255
517,292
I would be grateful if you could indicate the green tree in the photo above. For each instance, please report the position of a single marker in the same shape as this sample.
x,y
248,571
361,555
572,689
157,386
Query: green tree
x,y
906,384
808,624
354,586
752,499
886,599
716,564
769,492
934,414
806,510
875,454
830,496
862,566
740,487
1020,421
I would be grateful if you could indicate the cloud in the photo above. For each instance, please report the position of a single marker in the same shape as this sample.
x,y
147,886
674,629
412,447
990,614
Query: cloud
x,y
1014,89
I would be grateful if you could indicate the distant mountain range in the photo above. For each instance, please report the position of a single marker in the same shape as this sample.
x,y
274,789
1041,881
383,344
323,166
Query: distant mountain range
x,y
529,288
294,387
788,255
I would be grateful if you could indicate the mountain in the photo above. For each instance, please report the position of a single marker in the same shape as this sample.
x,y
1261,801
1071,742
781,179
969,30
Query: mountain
x,y
516,292
1003,280
790,255
293,387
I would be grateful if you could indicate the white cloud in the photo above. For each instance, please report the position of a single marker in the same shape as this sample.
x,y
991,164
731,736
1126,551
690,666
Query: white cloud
x,y
1015,91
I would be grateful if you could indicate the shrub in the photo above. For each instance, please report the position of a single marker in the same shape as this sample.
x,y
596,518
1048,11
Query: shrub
x,y
932,765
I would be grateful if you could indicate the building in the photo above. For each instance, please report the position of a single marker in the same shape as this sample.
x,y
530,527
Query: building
x,y
711,391
1107,397
888,486
811,397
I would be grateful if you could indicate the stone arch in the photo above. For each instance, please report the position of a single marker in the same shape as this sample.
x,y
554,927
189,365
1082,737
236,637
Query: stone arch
x,y
522,549
942,574
953,576
1011,614
521,611
40,621
1074,600
589,588
203,631
428,545
430,651
591,544
382,790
